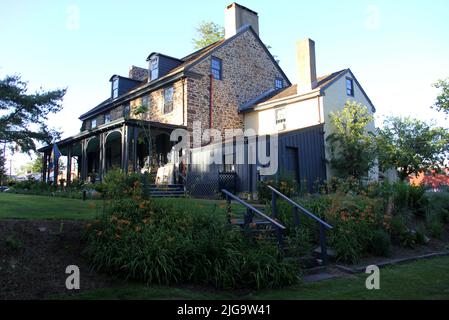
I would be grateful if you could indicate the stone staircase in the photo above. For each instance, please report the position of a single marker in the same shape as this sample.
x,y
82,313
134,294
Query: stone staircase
x,y
166,191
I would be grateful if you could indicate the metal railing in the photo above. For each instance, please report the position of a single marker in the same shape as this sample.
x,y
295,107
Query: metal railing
x,y
296,207
249,215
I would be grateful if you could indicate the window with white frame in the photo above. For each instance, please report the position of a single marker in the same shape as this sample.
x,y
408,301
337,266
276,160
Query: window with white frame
x,y
107,117
281,119
154,68
168,99
93,123
349,87
278,83
115,87
216,68
126,110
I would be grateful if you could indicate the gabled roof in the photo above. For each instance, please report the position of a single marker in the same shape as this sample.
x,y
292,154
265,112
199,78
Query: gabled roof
x,y
189,62
273,95
323,83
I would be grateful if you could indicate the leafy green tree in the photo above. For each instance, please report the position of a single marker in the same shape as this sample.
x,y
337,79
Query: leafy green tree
x,y
207,33
442,102
412,146
34,166
352,146
23,116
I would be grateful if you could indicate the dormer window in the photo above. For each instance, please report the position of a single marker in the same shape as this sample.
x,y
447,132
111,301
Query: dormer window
x,y
115,88
278,83
154,68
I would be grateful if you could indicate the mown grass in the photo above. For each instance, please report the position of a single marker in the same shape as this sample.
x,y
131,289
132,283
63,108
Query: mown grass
x,y
19,206
421,280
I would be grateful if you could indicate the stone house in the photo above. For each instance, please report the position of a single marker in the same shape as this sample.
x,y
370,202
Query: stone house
x,y
234,83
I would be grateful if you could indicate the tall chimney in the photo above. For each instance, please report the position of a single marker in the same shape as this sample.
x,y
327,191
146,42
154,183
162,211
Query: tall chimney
x,y
305,59
237,16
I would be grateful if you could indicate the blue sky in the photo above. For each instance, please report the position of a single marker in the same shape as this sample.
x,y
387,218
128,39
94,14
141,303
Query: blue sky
x,y
396,49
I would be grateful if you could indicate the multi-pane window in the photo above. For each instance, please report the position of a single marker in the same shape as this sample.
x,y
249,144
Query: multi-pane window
x,y
154,68
349,87
107,118
93,123
168,100
216,68
146,102
278,83
281,119
115,88
126,110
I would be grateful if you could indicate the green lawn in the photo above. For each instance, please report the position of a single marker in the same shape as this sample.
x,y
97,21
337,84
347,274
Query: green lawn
x,y
427,279
18,206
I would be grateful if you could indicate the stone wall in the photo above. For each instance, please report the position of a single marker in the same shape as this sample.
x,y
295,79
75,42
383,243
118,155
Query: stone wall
x,y
247,72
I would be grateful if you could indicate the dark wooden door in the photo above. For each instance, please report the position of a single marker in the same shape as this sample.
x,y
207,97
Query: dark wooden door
x,y
292,163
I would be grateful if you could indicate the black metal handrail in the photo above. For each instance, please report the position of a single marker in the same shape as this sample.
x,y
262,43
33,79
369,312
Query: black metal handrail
x,y
304,210
251,208
323,225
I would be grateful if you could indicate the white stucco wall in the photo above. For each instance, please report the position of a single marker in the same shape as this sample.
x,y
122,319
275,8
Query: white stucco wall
x,y
334,99
299,115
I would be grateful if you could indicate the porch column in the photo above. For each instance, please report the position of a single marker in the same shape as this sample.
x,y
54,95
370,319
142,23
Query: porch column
x,y
125,149
44,167
69,165
83,160
48,167
135,137
102,164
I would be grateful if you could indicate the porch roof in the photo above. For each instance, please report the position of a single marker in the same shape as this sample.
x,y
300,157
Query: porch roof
x,y
108,127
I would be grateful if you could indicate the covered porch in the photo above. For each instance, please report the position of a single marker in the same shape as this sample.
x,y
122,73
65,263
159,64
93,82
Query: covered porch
x,y
126,144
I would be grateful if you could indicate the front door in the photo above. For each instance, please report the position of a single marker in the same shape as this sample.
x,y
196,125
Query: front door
x,y
292,163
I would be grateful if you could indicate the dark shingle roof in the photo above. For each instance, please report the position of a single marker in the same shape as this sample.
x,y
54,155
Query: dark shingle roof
x,y
189,62
272,95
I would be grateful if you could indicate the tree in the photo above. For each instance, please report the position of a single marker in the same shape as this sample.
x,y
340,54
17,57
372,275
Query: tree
x,y
34,166
352,146
442,102
2,169
23,115
208,32
412,146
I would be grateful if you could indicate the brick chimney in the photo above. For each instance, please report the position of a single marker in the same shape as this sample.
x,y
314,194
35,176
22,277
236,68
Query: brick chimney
x,y
137,73
306,64
237,17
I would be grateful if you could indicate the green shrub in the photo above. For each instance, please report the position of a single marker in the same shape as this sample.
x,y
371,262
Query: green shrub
x,y
380,244
285,183
421,234
163,242
439,206
408,197
354,218
436,228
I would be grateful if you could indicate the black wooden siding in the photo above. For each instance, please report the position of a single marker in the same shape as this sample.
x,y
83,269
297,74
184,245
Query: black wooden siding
x,y
202,177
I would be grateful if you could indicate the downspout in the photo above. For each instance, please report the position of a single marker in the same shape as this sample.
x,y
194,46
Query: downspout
x,y
211,103
211,107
